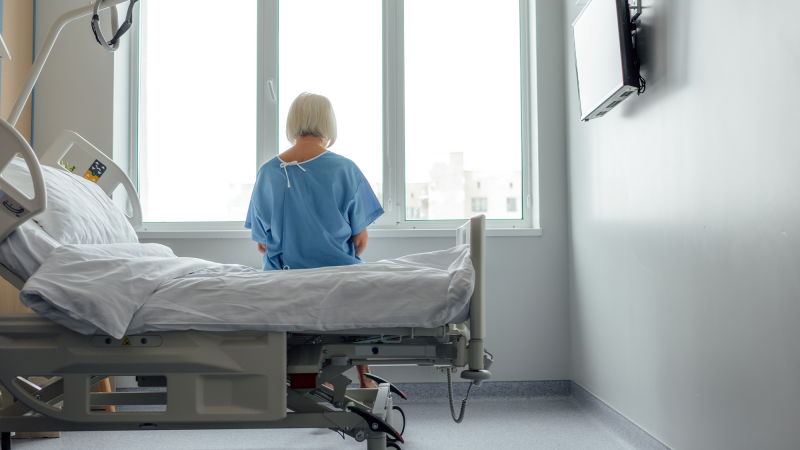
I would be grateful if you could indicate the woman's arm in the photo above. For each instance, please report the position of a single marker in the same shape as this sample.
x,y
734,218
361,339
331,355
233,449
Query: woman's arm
x,y
262,248
360,242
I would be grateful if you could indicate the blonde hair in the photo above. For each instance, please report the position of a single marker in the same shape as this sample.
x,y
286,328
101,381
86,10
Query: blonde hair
x,y
311,114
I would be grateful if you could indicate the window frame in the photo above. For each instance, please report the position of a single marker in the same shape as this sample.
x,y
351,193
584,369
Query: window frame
x,y
268,136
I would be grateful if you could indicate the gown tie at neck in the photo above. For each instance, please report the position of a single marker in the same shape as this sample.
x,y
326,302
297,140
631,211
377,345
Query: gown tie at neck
x,y
293,163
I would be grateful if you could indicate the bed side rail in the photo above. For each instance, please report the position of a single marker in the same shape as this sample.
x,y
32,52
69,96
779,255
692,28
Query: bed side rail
x,y
75,154
17,207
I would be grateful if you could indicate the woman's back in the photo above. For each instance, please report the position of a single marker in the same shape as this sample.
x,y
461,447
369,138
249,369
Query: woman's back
x,y
310,207
305,213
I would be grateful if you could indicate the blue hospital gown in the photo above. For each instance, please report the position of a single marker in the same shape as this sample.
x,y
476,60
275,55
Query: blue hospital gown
x,y
306,221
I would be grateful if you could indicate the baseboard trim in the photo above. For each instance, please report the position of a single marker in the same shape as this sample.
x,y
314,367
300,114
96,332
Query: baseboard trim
x,y
488,391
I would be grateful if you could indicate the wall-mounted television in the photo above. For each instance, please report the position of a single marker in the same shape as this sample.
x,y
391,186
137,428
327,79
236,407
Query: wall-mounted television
x,y
605,59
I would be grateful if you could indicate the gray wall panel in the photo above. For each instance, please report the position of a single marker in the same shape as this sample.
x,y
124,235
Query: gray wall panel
x,y
685,230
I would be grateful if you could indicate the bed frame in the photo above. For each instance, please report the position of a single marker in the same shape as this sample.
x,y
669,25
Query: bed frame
x,y
208,380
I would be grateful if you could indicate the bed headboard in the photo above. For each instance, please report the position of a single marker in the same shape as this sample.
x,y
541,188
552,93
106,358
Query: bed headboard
x,y
84,159
75,154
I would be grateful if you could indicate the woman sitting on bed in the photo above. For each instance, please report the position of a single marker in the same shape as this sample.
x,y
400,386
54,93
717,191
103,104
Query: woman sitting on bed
x,y
311,207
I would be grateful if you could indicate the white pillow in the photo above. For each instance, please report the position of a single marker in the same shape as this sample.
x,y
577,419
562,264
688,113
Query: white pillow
x,y
78,211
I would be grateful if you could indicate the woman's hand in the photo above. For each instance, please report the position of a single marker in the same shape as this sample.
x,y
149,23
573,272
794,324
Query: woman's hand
x,y
262,248
360,242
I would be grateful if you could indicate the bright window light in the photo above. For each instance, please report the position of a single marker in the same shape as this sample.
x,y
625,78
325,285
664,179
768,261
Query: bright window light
x,y
197,144
430,108
334,48
463,141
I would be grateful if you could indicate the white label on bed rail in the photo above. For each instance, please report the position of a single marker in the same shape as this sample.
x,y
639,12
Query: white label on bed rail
x,y
11,206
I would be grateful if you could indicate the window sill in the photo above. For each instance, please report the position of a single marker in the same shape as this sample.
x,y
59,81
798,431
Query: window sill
x,y
376,233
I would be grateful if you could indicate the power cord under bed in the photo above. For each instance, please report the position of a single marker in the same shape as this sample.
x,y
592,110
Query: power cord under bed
x,y
460,416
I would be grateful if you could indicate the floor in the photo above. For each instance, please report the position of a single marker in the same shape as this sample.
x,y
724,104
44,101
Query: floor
x,y
559,423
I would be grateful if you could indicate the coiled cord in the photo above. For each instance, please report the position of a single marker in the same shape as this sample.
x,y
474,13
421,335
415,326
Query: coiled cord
x,y
460,417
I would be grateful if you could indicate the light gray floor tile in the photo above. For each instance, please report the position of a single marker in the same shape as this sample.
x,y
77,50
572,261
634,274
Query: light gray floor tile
x,y
547,424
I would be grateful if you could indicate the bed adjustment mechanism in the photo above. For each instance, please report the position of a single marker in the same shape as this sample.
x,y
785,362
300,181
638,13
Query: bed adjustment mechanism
x,y
378,380
375,424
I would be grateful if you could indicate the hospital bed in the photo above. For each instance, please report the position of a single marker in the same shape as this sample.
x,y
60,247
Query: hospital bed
x,y
211,380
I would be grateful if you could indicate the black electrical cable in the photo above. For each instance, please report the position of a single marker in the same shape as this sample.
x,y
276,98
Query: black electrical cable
x,y
642,82
634,37
460,416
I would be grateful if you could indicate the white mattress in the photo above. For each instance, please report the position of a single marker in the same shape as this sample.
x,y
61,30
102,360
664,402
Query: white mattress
x,y
425,290
121,289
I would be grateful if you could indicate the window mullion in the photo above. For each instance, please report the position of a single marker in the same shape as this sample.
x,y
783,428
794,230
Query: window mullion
x,y
135,37
392,170
399,94
267,127
388,125
529,198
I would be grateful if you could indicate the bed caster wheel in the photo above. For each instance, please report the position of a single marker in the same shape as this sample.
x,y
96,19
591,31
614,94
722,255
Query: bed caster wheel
x,y
398,421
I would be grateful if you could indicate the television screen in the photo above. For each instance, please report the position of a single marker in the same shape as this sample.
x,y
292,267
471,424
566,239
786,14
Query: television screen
x,y
605,61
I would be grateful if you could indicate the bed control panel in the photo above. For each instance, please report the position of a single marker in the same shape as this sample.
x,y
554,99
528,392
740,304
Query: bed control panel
x,y
12,206
127,341
95,171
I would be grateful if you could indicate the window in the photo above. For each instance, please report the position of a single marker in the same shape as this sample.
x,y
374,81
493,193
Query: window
x,y
345,36
198,109
431,99
462,100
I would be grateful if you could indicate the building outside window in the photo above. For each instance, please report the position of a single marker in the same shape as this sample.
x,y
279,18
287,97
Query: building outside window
x,y
395,73
511,204
480,204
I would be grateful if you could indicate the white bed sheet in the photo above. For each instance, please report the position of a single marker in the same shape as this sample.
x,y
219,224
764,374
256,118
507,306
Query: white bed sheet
x,y
120,289
25,249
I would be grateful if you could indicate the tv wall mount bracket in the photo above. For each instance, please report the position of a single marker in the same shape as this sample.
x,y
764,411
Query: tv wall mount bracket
x,y
636,6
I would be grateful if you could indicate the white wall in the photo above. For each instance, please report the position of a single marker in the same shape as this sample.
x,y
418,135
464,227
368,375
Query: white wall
x,y
75,88
685,229
527,276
